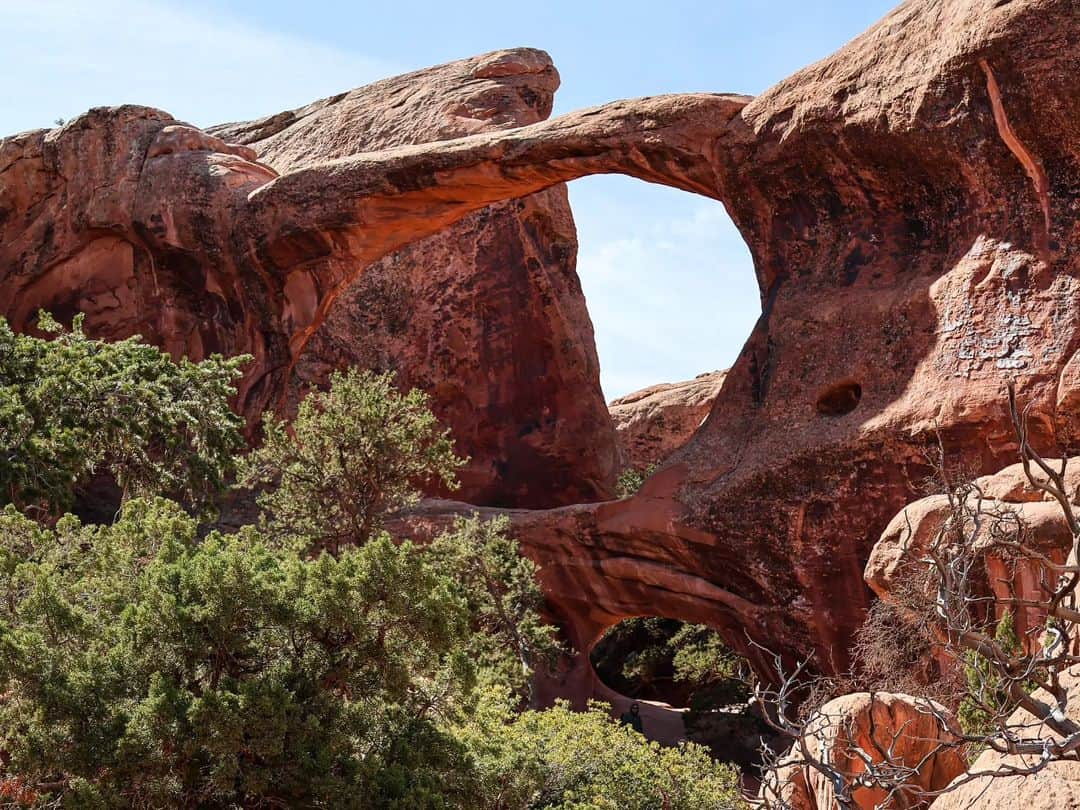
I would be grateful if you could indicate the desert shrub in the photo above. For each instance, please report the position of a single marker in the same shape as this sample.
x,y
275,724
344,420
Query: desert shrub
x,y
567,760
352,455
688,664
987,699
73,407
631,479
143,667
498,584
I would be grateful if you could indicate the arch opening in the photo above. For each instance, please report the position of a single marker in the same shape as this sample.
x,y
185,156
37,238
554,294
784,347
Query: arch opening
x,y
688,684
668,279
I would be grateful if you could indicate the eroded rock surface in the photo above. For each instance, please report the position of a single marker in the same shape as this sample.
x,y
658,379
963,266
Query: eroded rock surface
x,y
908,269
917,734
654,422
911,205
1054,787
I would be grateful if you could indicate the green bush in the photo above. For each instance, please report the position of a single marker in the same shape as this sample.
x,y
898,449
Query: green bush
x,y
498,584
567,760
143,664
987,695
352,455
670,660
73,407
158,670
631,479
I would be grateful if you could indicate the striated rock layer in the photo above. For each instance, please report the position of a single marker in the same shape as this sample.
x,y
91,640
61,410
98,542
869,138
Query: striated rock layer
x,y
911,205
144,224
654,422
847,728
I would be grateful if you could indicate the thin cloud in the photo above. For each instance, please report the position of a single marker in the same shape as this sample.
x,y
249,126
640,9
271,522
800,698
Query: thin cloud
x,y
203,68
668,279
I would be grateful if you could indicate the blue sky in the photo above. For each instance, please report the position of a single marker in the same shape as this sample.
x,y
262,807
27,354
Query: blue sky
x,y
668,280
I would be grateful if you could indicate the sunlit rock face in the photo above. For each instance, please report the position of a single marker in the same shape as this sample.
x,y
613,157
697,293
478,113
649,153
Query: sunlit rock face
x,y
1055,787
144,224
654,422
1007,500
910,204
909,267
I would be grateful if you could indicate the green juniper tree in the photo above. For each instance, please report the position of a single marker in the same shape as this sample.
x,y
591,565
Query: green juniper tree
x,y
143,667
499,585
143,664
72,407
566,760
352,455
986,699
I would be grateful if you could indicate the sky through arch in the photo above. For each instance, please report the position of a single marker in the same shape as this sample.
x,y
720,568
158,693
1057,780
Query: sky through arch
x,y
669,282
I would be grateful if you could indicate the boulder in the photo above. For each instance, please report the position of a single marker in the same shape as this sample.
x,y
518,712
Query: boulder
x,y
1006,497
654,422
910,729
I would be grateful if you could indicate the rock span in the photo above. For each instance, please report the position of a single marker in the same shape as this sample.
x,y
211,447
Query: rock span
x,y
906,269
144,224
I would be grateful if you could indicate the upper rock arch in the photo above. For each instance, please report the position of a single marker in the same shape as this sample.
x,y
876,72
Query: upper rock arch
x,y
903,243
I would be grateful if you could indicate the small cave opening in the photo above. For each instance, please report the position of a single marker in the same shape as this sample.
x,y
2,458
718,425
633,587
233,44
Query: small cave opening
x,y
839,399
685,671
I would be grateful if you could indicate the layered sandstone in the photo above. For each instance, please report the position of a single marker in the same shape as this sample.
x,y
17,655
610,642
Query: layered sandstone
x,y
902,731
654,422
998,781
911,207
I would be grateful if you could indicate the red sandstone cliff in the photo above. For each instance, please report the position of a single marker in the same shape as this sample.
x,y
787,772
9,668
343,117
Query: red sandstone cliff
x,y
911,206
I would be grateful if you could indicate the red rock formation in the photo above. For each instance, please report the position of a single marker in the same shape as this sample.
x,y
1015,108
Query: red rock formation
x,y
907,272
654,422
907,727
487,315
911,207
1055,787
153,234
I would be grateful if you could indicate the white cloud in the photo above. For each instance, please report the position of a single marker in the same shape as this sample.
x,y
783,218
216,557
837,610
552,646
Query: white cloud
x,y
669,282
61,57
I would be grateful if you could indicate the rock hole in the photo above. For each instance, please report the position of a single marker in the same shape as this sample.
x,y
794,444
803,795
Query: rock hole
x,y
839,399
688,684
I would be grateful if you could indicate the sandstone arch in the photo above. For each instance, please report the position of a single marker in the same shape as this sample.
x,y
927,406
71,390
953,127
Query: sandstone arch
x,y
911,207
